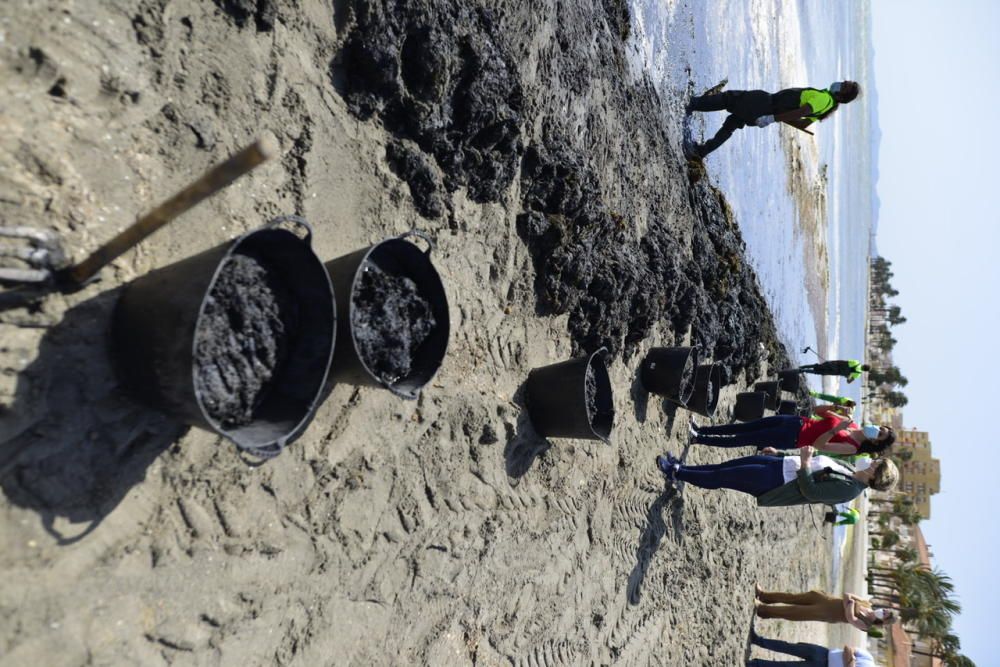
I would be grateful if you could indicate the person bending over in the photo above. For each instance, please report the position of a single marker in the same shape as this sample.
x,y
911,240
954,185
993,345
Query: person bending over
x,y
799,107
848,368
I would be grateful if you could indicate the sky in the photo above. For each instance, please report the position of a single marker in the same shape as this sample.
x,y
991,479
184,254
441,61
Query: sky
x,y
937,66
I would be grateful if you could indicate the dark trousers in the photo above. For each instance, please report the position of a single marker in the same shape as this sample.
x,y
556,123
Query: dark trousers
x,y
778,431
812,655
755,475
744,107
828,368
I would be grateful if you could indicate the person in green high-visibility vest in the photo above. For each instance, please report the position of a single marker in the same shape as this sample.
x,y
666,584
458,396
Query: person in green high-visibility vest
x,y
848,368
841,401
798,107
847,517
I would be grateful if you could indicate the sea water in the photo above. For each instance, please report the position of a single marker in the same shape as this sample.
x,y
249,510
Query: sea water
x,y
689,46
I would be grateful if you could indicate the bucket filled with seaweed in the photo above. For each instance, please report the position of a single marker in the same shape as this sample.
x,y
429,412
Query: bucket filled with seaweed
x,y
394,324
237,339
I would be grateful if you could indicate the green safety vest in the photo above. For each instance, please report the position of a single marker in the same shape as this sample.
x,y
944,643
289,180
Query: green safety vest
x,y
820,101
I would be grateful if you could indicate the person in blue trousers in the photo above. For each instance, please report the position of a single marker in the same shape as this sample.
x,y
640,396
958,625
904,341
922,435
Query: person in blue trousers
x,y
810,655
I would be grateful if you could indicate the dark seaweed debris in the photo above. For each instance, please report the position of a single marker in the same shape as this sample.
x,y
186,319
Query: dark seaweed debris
x,y
390,320
242,339
590,392
443,78
435,73
263,12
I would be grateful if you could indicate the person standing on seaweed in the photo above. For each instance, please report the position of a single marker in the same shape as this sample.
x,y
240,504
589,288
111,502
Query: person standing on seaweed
x,y
798,107
789,478
849,368
813,655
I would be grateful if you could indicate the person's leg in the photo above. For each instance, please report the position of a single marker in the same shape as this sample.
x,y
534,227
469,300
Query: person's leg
x,y
780,431
802,650
808,368
740,428
751,474
716,102
778,597
730,125
793,612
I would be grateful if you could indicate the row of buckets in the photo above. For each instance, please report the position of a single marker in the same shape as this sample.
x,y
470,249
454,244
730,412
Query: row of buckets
x,y
157,317
561,405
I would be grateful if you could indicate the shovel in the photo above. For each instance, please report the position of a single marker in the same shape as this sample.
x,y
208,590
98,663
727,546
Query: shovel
x,y
45,266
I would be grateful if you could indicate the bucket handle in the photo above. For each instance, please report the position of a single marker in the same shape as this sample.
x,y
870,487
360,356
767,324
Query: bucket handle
x,y
423,235
297,220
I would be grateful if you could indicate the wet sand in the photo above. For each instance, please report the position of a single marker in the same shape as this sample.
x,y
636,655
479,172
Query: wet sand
x,y
437,531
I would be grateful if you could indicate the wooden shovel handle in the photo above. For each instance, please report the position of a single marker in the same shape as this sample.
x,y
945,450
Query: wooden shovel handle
x,y
213,180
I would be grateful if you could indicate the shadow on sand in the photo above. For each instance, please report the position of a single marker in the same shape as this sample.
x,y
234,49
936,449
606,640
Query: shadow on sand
x,y
86,445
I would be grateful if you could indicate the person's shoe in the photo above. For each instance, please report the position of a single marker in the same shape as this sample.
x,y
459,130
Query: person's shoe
x,y
668,465
692,429
692,151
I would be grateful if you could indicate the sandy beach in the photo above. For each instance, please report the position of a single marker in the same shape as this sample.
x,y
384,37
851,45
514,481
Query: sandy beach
x,y
440,531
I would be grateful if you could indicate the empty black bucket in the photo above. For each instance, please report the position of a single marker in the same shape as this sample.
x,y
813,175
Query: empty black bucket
x,y
162,318
572,399
788,408
790,379
707,384
381,345
773,390
750,405
669,372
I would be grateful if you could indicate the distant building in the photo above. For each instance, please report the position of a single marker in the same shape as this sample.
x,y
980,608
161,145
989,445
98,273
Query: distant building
x,y
920,477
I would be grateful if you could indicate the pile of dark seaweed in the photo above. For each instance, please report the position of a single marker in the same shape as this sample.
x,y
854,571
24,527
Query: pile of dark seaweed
x,y
390,321
243,337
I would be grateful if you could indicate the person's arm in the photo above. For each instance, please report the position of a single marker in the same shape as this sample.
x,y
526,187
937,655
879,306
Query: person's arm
x,y
807,485
849,657
823,441
850,615
827,410
794,115
835,447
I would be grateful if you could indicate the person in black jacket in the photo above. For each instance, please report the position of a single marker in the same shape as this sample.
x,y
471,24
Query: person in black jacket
x,y
798,107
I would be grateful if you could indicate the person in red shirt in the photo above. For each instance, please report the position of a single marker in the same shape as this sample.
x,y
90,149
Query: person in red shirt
x,y
828,432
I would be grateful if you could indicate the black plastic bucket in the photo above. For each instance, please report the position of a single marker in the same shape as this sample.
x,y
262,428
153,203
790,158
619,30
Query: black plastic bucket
x,y
669,372
157,317
558,403
398,258
773,390
788,408
790,380
707,384
750,405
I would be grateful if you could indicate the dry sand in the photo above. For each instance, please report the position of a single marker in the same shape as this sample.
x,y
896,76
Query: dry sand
x,y
440,531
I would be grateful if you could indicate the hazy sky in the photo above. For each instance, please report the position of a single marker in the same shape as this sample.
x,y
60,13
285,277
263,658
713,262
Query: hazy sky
x,y
936,68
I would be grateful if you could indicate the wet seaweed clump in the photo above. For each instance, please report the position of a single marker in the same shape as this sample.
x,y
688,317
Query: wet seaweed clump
x,y
709,393
242,339
390,320
590,385
441,75
687,375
